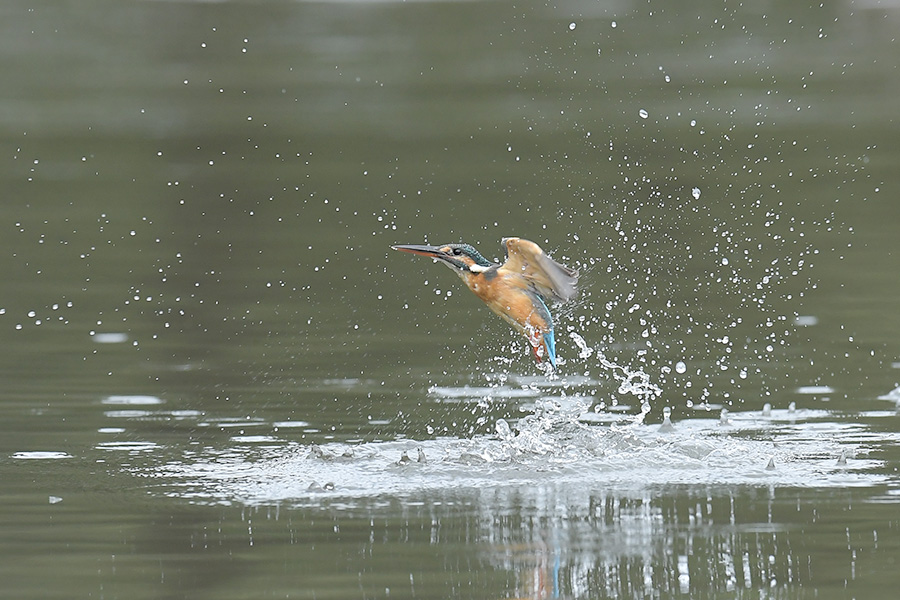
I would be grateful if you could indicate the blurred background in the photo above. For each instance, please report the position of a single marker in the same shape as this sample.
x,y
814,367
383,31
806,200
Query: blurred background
x,y
198,205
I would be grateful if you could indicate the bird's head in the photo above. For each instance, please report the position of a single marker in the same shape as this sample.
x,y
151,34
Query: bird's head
x,y
462,258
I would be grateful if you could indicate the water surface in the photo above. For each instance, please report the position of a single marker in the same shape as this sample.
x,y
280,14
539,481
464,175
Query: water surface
x,y
218,380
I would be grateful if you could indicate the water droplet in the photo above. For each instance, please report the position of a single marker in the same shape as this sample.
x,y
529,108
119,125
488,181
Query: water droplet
x,y
723,418
680,367
695,193
571,26
503,430
644,114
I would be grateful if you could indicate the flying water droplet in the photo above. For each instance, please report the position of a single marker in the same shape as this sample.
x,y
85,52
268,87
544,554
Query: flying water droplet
x,y
644,114
666,426
585,351
695,193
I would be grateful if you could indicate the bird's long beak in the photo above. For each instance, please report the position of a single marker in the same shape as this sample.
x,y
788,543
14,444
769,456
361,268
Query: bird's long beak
x,y
422,250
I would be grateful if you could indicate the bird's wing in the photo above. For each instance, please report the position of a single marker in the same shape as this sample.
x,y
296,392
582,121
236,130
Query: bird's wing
x,y
550,279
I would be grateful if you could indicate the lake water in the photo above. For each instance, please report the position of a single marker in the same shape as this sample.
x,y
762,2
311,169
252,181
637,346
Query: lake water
x,y
218,381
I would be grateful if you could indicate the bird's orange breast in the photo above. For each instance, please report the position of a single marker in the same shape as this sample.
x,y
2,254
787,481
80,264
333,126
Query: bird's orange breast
x,y
508,295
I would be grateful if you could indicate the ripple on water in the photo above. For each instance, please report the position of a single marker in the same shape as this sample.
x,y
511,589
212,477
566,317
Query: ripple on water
x,y
464,393
131,447
230,423
40,455
112,337
255,439
128,414
139,414
132,400
814,390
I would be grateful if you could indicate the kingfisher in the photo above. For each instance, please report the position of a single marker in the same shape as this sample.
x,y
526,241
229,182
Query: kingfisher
x,y
518,290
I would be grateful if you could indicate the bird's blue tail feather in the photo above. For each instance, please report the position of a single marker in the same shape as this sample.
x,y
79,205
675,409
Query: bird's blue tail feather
x,y
550,342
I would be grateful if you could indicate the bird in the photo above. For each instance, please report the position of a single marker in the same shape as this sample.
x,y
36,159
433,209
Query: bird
x,y
518,290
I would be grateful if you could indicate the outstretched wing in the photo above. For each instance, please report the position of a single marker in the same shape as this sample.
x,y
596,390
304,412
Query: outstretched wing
x,y
550,279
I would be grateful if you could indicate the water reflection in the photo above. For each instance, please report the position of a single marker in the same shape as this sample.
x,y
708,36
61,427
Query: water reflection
x,y
615,546
568,542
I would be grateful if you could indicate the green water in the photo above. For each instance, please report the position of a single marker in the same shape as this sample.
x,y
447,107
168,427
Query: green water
x,y
212,362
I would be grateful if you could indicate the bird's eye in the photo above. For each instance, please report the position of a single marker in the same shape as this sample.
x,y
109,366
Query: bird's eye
x,y
457,251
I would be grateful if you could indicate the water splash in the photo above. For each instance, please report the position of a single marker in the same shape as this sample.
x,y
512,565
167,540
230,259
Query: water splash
x,y
804,448
631,382
555,440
